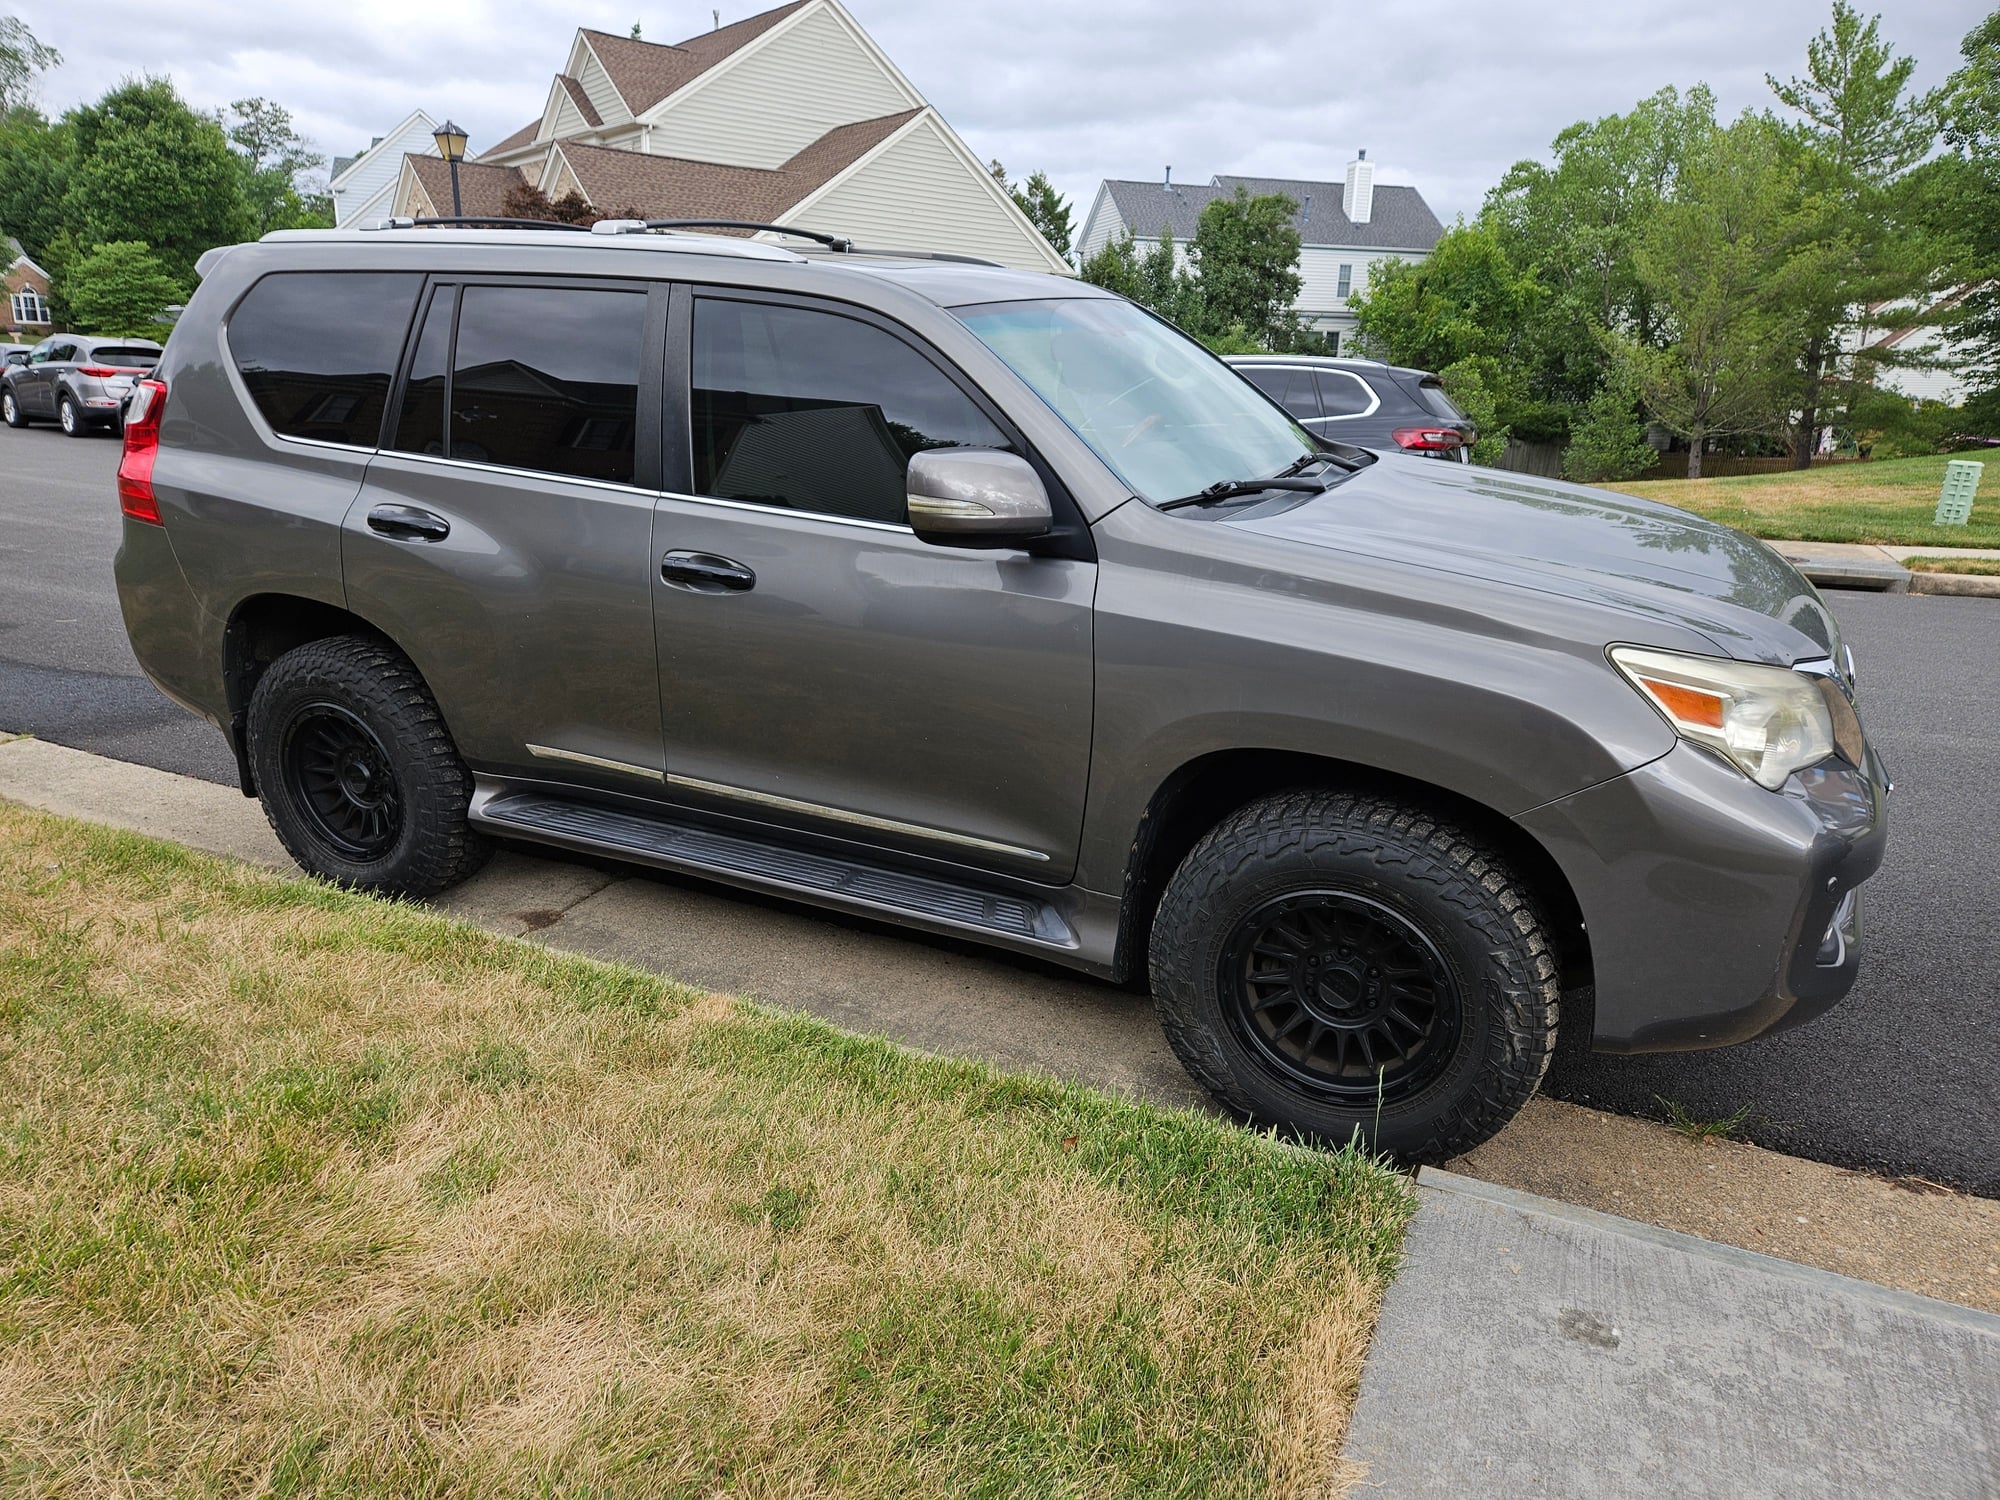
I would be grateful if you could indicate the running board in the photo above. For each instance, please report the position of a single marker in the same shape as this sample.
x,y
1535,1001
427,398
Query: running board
x,y
826,879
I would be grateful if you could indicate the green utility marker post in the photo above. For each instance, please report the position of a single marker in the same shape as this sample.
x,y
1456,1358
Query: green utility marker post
x,y
1961,483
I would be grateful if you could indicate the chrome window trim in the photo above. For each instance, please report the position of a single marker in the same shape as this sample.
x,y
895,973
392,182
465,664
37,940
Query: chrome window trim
x,y
440,461
788,510
1374,396
856,819
599,762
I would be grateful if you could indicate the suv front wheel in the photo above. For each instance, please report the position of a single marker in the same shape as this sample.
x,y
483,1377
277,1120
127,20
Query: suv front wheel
x,y
1339,964
357,772
10,409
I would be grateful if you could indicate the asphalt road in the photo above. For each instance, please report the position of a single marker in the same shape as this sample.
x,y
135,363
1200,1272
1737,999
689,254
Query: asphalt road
x,y
1903,1078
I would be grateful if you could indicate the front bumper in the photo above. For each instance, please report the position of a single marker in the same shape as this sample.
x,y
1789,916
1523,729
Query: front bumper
x,y
1717,911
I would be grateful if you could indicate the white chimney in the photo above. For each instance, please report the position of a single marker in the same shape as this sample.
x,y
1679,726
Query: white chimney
x,y
1360,199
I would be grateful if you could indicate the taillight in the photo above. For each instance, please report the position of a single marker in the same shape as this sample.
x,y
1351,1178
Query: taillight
x,y
1428,439
142,446
100,372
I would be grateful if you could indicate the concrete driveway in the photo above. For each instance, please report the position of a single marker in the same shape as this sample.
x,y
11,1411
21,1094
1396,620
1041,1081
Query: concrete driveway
x,y
1900,1079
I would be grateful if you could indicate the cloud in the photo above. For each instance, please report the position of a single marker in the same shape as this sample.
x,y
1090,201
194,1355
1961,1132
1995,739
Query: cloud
x,y
1444,96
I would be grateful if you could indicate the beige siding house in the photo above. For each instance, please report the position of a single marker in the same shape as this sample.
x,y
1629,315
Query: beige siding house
x,y
790,116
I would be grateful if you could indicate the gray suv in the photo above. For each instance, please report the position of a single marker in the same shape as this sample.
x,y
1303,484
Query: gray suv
x,y
986,603
75,381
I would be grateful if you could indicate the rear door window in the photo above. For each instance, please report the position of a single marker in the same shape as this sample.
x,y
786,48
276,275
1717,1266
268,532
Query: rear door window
x,y
545,378
1291,388
317,349
1345,395
818,411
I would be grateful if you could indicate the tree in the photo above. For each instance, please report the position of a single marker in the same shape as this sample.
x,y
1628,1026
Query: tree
x,y
119,288
274,156
1469,383
1156,278
1857,131
526,202
1608,439
36,157
148,168
1957,197
1046,209
1710,260
1246,255
23,60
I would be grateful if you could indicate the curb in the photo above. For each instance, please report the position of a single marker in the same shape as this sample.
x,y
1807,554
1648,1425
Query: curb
x,y
1973,585
1830,1282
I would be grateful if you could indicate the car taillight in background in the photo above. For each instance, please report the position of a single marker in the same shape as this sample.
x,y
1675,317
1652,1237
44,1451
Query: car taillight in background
x,y
1429,439
142,446
100,372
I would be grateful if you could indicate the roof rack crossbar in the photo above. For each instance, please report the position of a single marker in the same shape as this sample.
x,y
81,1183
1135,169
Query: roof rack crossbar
x,y
945,255
831,241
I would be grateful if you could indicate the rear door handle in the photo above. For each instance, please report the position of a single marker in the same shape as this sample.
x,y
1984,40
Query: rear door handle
x,y
408,521
705,573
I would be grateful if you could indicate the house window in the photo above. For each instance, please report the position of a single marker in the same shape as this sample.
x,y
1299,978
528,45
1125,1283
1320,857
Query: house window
x,y
29,308
1333,342
1346,282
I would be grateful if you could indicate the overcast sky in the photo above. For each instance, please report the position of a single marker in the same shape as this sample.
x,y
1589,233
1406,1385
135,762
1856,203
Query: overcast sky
x,y
1443,96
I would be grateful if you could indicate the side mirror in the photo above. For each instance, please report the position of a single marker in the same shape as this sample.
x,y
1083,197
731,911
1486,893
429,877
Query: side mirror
x,y
976,495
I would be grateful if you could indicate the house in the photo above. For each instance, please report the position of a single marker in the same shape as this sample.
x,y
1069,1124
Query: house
x,y
1345,228
362,186
791,116
27,284
1914,352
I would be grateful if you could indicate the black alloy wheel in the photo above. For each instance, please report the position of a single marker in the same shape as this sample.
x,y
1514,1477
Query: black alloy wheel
x,y
340,778
1342,994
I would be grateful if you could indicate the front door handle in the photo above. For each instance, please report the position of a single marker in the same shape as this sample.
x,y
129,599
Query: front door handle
x,y
705,573
408,521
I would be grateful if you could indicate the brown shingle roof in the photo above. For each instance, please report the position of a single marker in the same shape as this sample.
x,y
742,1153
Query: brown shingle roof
x,y
482,190
525,136
644,73
580,99
669,187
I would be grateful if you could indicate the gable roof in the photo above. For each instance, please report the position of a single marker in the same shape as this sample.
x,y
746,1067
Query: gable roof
x,y
525,136
580,99
673,187
482,189
340,171
644,73
1401,219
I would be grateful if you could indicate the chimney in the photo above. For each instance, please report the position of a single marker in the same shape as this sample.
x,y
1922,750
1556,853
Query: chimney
x,y
1360,199
1170,179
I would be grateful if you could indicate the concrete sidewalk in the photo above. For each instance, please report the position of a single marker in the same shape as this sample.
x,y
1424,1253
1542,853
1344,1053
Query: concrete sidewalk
x,y
1530,1349
1857,565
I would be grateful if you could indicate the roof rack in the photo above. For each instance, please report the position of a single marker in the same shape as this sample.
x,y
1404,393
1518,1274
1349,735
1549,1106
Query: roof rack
x,y
838,244
637,226
474,221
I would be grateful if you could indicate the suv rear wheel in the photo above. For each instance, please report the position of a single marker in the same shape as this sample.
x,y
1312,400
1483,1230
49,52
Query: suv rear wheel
x,y
70,417
1342,964
357,772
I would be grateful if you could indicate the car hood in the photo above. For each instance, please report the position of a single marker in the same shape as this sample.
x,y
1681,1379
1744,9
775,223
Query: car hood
x,y
1636,555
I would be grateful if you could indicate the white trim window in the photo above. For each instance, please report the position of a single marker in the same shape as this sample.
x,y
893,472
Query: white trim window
x,y
30,308
1346,282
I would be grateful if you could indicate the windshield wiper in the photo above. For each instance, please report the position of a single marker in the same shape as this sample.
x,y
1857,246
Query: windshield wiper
x,y
1288,478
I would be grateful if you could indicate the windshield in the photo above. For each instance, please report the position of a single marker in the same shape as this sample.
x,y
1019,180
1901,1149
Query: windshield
x,y
1168,417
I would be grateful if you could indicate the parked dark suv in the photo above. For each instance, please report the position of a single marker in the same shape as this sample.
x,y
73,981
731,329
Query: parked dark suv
x,y
987,603
75,381
1365,402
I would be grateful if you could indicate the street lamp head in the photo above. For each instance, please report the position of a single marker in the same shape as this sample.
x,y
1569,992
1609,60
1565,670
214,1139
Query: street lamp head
x,y
450,141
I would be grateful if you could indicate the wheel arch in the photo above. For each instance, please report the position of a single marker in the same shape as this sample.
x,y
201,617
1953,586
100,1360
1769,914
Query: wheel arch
x,y
1205,790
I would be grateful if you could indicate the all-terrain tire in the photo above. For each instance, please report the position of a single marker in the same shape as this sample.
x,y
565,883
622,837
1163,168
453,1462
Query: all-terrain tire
x,y
385,814
10,409
1343,870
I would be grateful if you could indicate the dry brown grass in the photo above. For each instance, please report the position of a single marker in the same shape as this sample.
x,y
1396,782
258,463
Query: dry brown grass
x,y
307,1194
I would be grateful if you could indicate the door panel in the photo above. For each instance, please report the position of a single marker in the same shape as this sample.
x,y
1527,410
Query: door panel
x,y
505,541
869,685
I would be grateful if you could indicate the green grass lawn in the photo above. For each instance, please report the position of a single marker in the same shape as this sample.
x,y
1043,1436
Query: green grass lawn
x,y
307,1194
1985,567
1890,502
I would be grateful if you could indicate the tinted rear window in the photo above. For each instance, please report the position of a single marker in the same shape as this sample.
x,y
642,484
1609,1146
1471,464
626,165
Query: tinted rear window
x,y
1436,402
318,349
1345,394
125,359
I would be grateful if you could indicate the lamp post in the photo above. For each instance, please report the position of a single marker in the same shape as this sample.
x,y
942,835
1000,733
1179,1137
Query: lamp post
x,y
451,146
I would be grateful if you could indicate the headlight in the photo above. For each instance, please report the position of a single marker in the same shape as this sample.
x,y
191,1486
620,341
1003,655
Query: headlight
x,y
1767,721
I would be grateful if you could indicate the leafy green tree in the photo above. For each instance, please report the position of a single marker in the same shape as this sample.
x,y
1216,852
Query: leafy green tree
x,y
119,288
1046,209
1857,130
274,158
1470,384
1957,197
1608,439
1246,256
1156,277
1711,260
23,60
149,168
36,157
